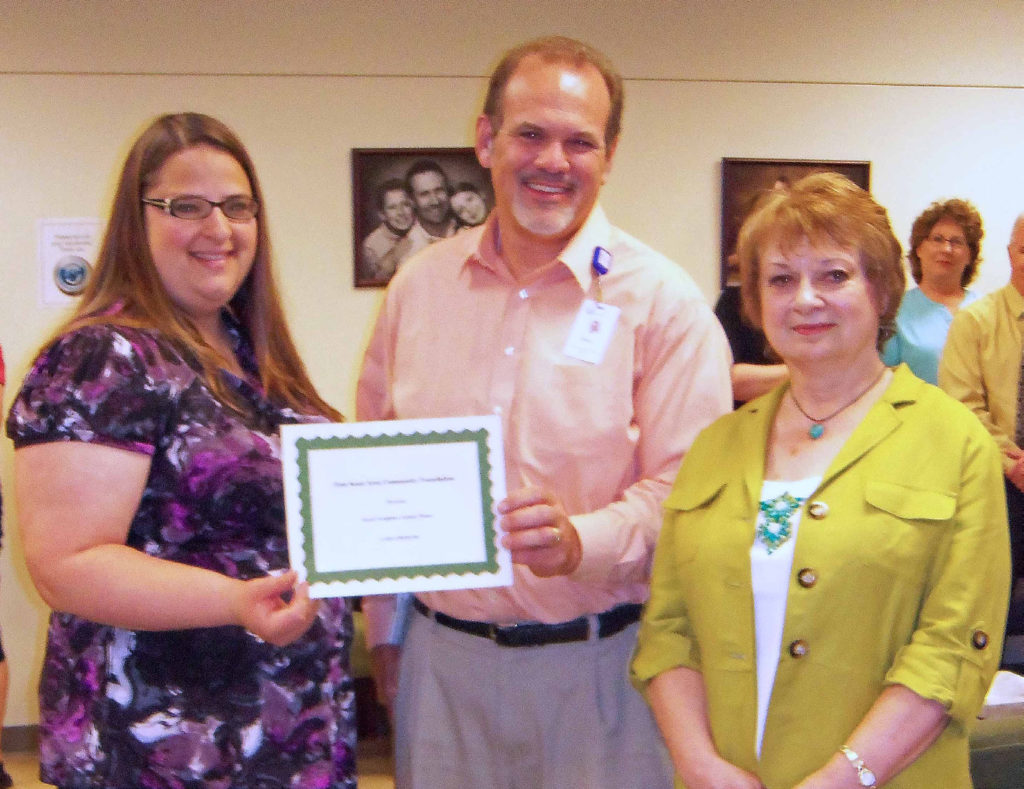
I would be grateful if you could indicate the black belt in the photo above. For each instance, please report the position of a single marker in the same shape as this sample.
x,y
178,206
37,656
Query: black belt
x,y
536,634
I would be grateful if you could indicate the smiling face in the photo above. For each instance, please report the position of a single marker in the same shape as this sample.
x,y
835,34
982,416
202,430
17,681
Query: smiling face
x,y
430,192
548,159
469,207
817,305
397,213
944,261
201,262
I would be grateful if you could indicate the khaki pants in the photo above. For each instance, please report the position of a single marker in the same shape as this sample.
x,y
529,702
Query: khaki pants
x,y
476,715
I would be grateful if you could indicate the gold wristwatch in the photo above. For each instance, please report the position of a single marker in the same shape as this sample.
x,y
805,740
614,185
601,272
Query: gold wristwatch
x,y
864,775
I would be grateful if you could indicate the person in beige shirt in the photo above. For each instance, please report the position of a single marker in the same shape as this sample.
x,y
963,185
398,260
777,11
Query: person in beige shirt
x,y
981,367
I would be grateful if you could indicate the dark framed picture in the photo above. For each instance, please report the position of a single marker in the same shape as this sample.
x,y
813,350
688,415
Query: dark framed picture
x,y
406,198
745,181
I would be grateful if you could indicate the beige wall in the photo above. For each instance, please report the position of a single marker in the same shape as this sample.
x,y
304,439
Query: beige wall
x,y
930,93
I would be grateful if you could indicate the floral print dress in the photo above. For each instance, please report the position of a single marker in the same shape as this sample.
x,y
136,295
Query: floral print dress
x,y
212,707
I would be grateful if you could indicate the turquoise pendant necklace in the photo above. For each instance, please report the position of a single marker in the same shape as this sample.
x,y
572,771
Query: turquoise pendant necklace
x,y
817,428
775,525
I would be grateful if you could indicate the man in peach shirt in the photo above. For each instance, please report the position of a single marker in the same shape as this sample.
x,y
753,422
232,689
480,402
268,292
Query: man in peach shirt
x,y
604,361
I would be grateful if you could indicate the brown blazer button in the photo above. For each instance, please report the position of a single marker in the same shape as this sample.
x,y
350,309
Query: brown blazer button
x,y
799,648
807,578
817,510
979,639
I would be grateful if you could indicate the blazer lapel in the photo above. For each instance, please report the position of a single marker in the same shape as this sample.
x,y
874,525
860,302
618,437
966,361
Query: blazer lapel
x,y
880,421
751,446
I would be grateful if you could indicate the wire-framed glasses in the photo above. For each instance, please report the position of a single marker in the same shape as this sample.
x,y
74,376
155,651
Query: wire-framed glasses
x,y
955,241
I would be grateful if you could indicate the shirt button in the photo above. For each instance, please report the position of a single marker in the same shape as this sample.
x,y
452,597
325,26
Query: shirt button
x,y
979,639
817,510
807,578
799,648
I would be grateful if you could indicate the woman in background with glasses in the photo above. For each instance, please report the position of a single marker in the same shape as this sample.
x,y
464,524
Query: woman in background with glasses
x,y
181,652
945,251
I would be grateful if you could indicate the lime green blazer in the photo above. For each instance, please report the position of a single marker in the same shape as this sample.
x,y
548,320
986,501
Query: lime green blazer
x,y
901,576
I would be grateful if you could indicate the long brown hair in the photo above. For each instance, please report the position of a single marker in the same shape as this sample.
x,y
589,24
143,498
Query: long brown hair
x,y
126,289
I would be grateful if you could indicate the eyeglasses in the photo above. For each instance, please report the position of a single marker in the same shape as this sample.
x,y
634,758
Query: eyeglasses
x,y
237,208
940,241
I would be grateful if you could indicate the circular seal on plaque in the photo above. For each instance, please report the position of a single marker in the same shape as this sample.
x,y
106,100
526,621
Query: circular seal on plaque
x,y
71,273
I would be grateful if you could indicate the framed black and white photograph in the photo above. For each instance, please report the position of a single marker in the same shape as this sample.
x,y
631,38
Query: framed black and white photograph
x,y
406,198
745,181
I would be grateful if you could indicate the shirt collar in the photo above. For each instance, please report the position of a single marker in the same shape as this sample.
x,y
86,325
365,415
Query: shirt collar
x,y
904,388
1014,300
577,256
449,230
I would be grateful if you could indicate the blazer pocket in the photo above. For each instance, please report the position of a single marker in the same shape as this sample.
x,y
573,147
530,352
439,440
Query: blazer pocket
x,y
687,516
911,504
694,494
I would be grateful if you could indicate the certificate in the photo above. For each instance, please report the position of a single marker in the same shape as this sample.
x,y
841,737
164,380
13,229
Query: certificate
x,y
399,506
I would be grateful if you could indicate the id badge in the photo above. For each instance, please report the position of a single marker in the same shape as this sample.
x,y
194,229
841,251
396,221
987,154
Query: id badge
x,y
592,331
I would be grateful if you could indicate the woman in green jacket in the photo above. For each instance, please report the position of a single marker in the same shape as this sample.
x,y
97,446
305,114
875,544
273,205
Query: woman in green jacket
x,y
830,585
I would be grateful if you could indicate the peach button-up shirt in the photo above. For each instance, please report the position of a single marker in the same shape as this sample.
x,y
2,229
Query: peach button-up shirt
x,y
458,336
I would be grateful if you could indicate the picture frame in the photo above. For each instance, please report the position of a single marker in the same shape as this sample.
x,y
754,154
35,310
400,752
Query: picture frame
x,y
744,181
387,228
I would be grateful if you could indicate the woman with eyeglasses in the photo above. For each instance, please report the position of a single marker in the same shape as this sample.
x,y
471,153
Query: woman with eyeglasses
x,y
945,252
181,652
830,583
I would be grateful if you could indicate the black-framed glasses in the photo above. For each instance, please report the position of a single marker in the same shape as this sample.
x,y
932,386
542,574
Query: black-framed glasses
x,y
238,208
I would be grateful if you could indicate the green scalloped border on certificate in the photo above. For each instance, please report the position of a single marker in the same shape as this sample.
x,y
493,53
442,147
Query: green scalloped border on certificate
x,y
304,446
